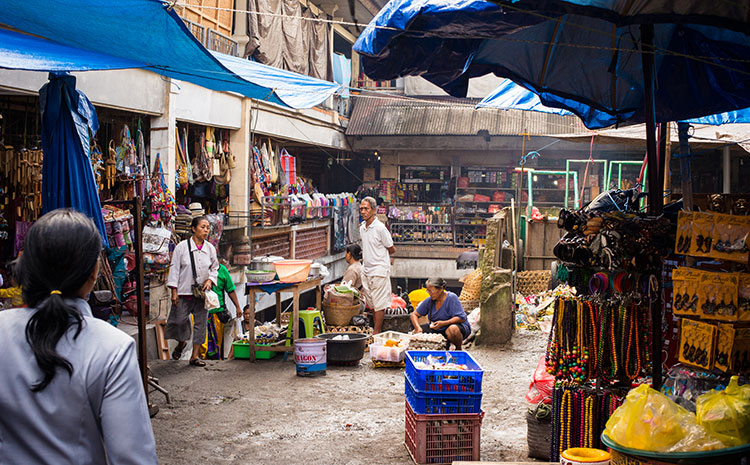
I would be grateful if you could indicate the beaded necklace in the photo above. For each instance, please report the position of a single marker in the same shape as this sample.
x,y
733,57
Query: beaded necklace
x,y
633,338
566,409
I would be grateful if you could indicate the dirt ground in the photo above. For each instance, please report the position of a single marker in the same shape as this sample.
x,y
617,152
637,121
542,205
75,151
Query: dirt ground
x,y
234,412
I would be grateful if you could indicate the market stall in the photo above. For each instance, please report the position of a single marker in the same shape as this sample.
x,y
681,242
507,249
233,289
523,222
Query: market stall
x,y
609,333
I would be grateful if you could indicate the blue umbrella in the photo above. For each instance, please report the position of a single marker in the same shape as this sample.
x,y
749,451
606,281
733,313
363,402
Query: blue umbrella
x,y
68,122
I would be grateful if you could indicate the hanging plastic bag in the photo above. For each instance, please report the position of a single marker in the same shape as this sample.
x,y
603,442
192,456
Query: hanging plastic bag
x,y
211,301
649,421
726,414
540,387
156,239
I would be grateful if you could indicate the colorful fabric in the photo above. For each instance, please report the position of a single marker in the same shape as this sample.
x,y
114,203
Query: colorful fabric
x,y
289,165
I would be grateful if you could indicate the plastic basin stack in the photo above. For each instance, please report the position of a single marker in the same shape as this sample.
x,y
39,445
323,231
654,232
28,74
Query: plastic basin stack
x,y
443,417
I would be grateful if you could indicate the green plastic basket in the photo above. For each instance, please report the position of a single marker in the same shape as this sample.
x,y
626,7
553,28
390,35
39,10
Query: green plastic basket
x,y
242,351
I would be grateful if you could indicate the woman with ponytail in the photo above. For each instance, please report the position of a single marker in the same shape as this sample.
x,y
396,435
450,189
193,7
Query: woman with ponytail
x,y
72,391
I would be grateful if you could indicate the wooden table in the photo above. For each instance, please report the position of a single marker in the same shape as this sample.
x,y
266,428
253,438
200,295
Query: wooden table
x,y
296,289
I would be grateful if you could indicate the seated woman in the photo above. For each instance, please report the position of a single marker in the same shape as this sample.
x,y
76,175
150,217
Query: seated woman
x,y
353,274
445,313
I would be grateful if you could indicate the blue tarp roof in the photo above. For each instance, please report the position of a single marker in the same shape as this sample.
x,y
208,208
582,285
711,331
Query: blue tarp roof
x,y
135,34
295,90
511,96
581,55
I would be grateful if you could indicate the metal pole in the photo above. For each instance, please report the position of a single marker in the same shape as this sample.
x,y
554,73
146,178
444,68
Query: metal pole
x,y
685,173
142,310
655,187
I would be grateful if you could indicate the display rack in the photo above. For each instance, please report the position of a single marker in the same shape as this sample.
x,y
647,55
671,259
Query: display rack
x,y
577,201
424,184
532,186
422,233
490,190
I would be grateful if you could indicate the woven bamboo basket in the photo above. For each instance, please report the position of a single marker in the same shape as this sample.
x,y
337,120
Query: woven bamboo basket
x,y
469,305
538,436
472,285
532,282
339,315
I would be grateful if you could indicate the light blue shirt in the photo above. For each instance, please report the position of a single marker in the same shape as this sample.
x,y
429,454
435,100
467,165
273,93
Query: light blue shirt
x,y
96,416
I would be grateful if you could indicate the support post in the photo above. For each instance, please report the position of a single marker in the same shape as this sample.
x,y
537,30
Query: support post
x,y
686,174
655,185
726,166
140,283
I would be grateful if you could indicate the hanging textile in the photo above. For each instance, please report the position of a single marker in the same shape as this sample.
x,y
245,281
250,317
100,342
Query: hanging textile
x,y
289,165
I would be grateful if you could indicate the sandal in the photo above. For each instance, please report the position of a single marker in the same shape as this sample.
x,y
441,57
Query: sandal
x,y
177,352
196,362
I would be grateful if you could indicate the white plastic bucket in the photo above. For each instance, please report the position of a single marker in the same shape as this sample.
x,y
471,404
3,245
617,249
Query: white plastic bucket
x,y
310,357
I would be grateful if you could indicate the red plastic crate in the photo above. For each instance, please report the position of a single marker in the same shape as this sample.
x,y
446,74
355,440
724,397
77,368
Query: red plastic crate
x,y
442,439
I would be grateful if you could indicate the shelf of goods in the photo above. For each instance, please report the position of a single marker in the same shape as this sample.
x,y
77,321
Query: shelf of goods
x,y
423,183
422,233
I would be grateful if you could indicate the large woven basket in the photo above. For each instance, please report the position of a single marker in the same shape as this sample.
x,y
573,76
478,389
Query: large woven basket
x,y
469,305
532,282
472,285
339,315
538,436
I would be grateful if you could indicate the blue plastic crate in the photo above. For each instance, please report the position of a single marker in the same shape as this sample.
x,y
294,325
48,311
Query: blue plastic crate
x,y
441,404
454,381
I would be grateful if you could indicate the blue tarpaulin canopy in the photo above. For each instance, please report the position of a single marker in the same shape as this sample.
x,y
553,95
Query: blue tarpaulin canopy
x,y
583,56
295,90
68,120
510,96
110,34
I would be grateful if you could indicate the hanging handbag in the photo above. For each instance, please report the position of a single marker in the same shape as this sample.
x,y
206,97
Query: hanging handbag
x,y
196,288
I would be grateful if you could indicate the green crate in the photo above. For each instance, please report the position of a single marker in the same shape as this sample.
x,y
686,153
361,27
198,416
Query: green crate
x,y
243,351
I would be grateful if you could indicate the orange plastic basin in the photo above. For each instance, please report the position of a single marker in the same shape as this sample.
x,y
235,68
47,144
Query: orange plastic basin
x,y
292,271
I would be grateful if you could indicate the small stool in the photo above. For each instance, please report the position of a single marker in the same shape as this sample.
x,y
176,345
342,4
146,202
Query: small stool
x,y
310,320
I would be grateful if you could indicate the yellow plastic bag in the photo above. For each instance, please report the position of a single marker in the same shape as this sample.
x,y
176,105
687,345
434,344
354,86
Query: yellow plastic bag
x,y
648,420
726,414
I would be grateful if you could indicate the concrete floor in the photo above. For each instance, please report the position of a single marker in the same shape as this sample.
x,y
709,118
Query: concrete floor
x,y
236,412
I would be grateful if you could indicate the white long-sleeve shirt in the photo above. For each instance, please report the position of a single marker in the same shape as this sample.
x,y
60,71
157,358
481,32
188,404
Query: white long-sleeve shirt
x,y
180,272
97,415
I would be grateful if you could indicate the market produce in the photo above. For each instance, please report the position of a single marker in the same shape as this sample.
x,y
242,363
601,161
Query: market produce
x,y
649,421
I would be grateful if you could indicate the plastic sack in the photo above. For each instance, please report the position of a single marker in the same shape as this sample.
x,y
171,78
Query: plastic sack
x,y
211,301
541,385
397,302
726,414
649,421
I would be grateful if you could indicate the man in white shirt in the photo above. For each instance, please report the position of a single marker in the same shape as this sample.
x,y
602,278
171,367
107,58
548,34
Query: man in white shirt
x,y
377,247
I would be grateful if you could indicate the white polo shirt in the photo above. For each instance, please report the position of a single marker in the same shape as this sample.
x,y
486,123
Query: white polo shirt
x,y
376,240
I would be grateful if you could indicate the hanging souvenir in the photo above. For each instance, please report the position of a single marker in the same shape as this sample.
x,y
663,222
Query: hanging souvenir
x,y
182,166
272,163
97,165
126,157
110,166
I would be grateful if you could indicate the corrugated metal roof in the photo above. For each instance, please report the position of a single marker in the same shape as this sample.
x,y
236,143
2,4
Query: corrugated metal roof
x,y
376,115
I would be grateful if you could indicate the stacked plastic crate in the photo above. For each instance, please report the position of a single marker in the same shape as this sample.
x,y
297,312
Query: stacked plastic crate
x,y
443,407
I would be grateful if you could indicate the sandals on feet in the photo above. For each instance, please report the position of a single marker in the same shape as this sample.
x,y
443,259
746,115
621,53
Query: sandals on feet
x,y
177,353
196,362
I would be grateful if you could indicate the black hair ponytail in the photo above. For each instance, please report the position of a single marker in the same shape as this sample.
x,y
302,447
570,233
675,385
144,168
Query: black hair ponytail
x,y
60,254
355,251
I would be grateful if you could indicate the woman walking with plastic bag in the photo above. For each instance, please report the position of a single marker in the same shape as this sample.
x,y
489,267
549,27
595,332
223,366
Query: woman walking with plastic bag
x,y
72,391
193,272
